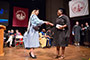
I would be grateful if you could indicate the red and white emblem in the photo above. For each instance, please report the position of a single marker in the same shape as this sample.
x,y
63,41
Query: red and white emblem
x,y
20,15
78,7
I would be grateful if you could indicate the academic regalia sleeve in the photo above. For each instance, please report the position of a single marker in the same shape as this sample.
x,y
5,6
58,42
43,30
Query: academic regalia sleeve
x,y
68,26
36,21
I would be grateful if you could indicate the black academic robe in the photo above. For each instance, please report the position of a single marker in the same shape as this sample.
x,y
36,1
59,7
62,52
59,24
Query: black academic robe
x,y
61,37
87,36
76,30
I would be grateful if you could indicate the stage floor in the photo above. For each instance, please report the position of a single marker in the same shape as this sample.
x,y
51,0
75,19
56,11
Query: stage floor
x,y
72,53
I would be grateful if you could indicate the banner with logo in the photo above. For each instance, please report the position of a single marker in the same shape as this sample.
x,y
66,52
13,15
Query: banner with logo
x,y
78,8
20,17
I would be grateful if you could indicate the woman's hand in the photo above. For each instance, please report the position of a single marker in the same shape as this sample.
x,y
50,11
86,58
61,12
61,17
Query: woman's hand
x,y
60,27
51,24
73,34
48,23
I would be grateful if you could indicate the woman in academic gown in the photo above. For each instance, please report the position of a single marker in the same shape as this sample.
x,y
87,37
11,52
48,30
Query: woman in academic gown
x,y
61,32
32,40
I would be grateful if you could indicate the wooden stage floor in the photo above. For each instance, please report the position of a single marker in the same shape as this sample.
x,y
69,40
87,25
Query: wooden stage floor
x,y
72,53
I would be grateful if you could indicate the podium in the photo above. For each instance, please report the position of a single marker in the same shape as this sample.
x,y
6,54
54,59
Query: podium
x,y
2,28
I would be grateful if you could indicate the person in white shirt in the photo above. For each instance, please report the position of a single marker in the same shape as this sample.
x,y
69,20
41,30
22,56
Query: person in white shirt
x,y
10,39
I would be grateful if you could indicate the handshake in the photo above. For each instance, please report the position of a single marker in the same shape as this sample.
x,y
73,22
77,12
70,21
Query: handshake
x,y
61,27
48,23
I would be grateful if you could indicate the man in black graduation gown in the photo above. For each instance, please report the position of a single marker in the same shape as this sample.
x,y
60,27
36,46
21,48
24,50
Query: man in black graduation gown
x,y
87,34
76,33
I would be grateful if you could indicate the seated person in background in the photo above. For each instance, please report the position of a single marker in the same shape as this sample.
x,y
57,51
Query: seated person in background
x,y
18,36
42,38
6,35
49,36
17,33
10,39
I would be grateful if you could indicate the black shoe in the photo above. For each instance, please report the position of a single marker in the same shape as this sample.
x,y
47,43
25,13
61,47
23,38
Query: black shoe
x,y
57,57
32,56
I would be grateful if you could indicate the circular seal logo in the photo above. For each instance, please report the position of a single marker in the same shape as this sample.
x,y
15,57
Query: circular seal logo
x,y
78,7
20,15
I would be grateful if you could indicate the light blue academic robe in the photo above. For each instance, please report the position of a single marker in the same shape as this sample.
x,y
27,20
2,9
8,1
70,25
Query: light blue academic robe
x,y
32,40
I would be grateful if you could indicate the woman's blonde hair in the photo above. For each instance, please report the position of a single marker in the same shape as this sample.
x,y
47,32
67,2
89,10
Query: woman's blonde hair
x,y
33,12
